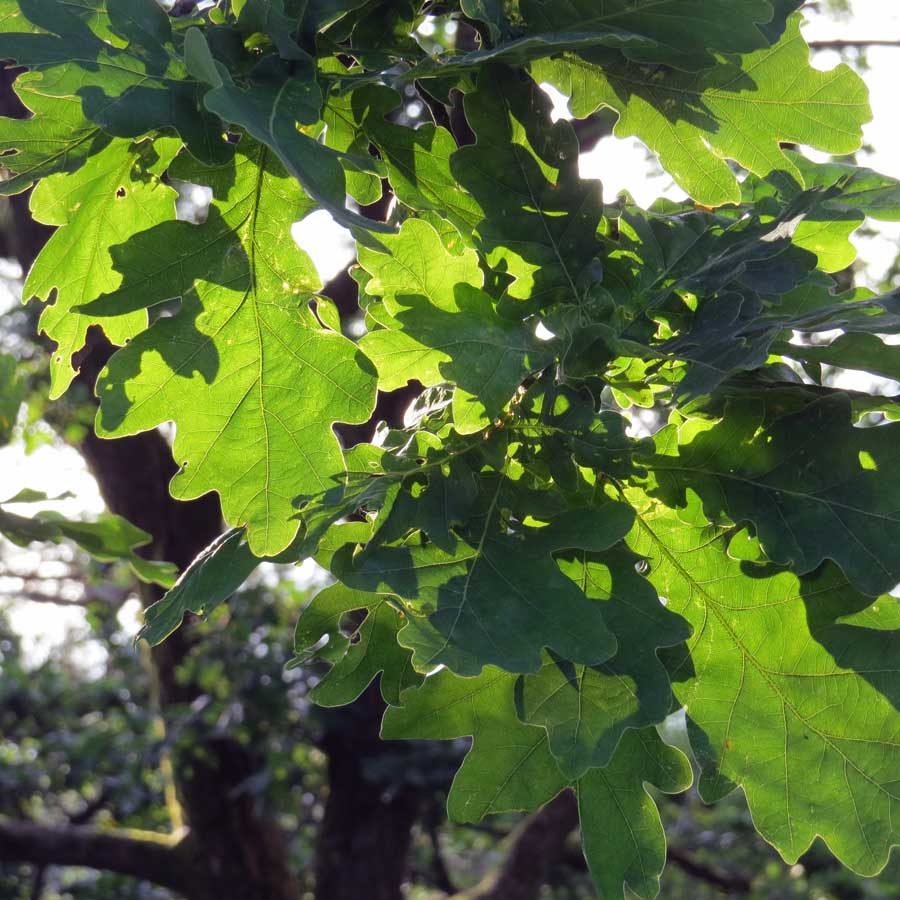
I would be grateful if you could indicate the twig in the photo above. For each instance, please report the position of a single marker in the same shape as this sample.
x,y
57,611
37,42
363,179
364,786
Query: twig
x,y
735,882
850,44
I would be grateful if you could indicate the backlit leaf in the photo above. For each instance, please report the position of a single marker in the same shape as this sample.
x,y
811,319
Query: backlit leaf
x,y
737,110
800,713
244,369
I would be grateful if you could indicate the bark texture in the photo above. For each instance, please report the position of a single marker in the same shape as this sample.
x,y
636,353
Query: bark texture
x,y
537,845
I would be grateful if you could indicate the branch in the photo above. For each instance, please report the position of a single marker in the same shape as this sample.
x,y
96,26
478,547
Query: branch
x,y
534,847
41,597
849,45
33,596
734,882
142,854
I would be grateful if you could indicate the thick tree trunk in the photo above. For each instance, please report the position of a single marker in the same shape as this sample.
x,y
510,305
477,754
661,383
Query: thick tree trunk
x,y
365,835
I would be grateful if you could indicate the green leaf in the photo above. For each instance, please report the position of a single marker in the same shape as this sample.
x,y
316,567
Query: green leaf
x,y
814,486
441,327
357,658
319,15
251,380
803,716
343,134
113,196
12,395
875,195
198,58
270,110
108,539
416,261
814,306
417,160
737,331
848,195
509,768
621,832
658,253
568,432
866,352
521,51
540,219
268,17
496,597
127,90
737,110
490,12
57,137
682,33
587,709
216,573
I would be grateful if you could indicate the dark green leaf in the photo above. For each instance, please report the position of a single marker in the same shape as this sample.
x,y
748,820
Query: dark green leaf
x,y
586,709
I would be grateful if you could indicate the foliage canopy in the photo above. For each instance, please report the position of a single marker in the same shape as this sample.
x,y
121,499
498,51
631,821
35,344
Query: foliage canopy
x,y
575,582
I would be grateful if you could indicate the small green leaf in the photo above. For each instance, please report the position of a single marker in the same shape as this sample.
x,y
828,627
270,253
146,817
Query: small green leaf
x,y
268,17
509,768
199,60
586,709
417,160
108,539
370,649
216,573
623,838
523,50
862,351
57,137
114,195
440,327
270,110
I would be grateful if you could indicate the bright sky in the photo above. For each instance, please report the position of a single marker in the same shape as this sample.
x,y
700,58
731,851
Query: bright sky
x,y
620,165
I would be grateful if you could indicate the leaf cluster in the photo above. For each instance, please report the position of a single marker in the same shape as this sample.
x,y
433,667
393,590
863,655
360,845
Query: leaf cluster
x,y
515,561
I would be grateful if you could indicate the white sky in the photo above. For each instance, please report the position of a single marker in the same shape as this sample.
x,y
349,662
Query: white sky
x,y
620,165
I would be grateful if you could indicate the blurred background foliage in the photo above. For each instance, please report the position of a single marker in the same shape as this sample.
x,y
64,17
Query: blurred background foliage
x,y
83,742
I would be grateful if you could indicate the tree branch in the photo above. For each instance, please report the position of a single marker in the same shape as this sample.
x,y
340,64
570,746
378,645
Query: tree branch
x,y
734,882
534,847
148,855
33,596
850,45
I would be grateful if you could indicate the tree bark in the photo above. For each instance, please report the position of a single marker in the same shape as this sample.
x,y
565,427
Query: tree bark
x,y
365,834
535,847
146,855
